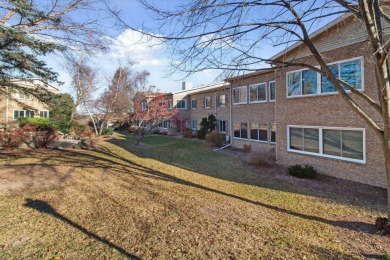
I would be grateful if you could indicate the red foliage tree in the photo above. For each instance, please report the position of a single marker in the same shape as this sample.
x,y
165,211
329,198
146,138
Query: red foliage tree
x,y
151,108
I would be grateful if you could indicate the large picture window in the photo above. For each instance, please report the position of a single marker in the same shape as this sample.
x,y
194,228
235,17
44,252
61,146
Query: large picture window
x,y
340,143
309,82
240,130
258,93
240,95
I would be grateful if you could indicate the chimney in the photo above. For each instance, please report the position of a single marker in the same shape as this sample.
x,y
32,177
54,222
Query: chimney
x,y
186,85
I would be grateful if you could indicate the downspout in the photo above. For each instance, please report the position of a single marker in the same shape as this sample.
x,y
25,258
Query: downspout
x,y
230,122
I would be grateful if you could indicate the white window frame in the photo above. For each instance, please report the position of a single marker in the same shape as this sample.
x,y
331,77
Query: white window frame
x,y
205,105
321,150
240,138
219,126
180,100
269,91
258,101
194,124
246,100
193,107
219,101
48,114
258,133
170,104
25,112
319,82
22,95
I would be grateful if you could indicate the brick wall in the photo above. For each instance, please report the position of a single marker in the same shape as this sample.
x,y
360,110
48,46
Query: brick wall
x,y
331,111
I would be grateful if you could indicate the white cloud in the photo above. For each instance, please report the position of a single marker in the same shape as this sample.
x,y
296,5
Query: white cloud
x,y
142,49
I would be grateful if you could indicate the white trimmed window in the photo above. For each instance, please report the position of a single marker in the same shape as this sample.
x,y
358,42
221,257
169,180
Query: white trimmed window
x,y
23,113
181,104
339,143
240,95
272,91
207,102
259,132
222,126
193,103
240,130
258,93
20,94
221,100
44,114
273,133
308,82
194,125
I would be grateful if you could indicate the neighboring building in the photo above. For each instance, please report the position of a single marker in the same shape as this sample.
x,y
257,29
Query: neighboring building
x,y
23,104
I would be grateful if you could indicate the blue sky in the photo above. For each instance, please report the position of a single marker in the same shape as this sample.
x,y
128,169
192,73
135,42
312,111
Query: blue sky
x,y
149,54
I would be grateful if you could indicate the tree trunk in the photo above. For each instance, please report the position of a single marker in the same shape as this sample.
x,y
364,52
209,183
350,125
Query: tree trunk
x,y
386,151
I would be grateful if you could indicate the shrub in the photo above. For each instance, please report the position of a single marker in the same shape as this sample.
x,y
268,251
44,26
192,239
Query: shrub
x,y
383,224
39,121
155,131
107,131
140,129
78,129
262,157
187,133
386,257
306,171
13,139
29,127
215,138
45,136
247,148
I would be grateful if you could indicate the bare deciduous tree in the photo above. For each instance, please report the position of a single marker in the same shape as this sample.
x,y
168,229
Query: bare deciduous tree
x,y
83,85
232,35
117,99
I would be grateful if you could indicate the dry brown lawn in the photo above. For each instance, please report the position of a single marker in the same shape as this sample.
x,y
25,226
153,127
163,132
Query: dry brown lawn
x,y
176,198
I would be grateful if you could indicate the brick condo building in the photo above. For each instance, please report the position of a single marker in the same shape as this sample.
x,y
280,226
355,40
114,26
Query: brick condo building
x,y
296,112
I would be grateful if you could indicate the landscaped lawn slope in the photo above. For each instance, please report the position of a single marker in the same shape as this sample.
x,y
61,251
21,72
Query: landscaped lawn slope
x,y
172,198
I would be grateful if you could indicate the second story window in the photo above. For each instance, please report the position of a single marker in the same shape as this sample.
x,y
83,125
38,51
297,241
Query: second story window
x,y
20,94
193,103
207,102
309,82
239,95
144,105
221,101
258,93
181,104
170,104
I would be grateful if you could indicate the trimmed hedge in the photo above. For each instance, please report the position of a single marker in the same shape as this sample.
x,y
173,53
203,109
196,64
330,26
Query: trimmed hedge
x,y
306,171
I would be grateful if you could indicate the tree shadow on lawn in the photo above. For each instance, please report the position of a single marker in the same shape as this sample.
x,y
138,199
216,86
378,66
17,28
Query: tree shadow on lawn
x,y
327,187
120,164
43,207
106,160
